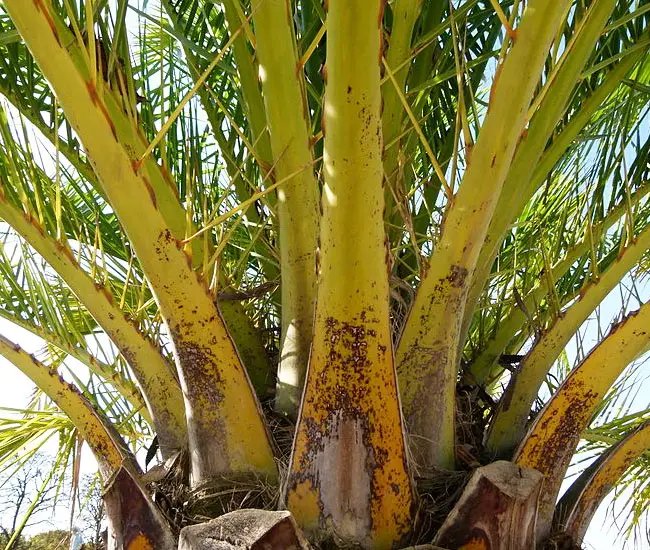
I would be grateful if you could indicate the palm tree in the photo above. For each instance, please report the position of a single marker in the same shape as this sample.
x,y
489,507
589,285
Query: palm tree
x,y
330,255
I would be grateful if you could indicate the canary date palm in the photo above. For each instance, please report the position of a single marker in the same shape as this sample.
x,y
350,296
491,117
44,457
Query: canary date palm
x,y
340,256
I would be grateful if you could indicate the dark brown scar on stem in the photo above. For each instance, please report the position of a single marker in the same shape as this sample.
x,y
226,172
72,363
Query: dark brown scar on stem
x,y
50,21
152,194
92,92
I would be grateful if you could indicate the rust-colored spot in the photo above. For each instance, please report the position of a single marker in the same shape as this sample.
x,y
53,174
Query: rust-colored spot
x,y
469,148
94,97
107,293
382,8
92,92
457,276
152,194
40,7
65,250
168,179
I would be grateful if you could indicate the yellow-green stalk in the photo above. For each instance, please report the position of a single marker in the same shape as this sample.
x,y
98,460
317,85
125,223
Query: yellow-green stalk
x,y
552,439
348,474
225,427
509,422
297,199
426,357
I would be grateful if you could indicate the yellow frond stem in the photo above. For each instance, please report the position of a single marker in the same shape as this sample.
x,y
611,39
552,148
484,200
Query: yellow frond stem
x,y
348,473
552,439
283,87
482,366
509,423
600,481
426,357
155,377
105,443
125,387
225,427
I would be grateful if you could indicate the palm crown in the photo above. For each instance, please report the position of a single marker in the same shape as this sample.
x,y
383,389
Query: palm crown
x,y
384,223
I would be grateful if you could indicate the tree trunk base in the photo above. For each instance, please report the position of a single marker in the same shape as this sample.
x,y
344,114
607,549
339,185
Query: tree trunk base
x,y
245,530
134,521
497,510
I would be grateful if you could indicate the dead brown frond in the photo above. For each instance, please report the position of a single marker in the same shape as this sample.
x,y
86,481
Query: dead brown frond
x,y
438,491
228,493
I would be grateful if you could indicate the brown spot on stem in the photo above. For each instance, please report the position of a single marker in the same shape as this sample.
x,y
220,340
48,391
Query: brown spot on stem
x,y
152,194
382,8
457,276
97,102
65,250
92,92
40,7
